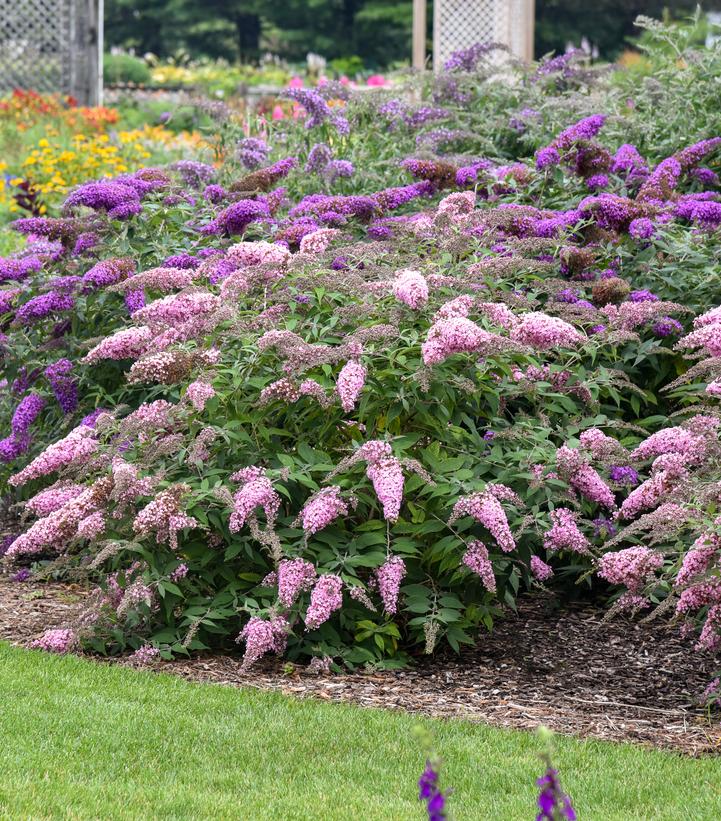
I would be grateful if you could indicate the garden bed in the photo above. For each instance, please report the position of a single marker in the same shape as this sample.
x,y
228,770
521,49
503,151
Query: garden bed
x,y
570,670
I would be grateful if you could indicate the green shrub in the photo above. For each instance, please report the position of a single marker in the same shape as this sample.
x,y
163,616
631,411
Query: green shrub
x,y
124,68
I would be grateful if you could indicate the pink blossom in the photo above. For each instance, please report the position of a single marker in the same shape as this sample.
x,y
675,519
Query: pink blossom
x,y
667,469
350,383
234,285
486,509
284,390
317,242
710,637
322,509
270,579
373,450
52,499
589,484
294,576
544,332
261,637
631,601
629,315
180,572
460,306
668,440
158,279
199,393
309,387
564,533
389,576
151,415
325,599
247,254
257,491
457,335
146,654
499,314
92,526
164,517
460,202
714,388
582,477
56,641
410,288
177,308
631,567
128,343
74,449
136,596
57,529
386,475
699,595
540,569
710,317
702,554
476,559
598,443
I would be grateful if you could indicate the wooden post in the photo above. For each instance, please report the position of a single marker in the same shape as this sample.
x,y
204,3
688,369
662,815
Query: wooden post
x,y
101,51
419,34
530,29
85,59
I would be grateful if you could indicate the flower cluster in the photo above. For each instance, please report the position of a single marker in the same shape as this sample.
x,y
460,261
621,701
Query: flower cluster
x,y
256,492
321,509
476,559
564,533
349,385
325,598
486,509
389,577
294,577
261,637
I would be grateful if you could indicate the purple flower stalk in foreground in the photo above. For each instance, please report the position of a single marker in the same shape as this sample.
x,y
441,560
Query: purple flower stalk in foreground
x,y
553,803
429,791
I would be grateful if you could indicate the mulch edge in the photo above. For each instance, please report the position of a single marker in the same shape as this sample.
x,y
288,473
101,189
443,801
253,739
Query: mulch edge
x,y
684,730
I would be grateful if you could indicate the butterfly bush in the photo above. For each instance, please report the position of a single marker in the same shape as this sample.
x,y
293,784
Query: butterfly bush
x,y
345,415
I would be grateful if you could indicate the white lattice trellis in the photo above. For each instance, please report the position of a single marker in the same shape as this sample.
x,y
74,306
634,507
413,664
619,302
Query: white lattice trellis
x,y
50,45
458,24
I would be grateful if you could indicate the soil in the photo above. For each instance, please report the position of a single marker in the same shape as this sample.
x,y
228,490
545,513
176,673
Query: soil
x,y
568,669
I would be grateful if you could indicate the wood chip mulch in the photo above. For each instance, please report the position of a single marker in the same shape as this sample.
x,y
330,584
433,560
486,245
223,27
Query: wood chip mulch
x,y
567,669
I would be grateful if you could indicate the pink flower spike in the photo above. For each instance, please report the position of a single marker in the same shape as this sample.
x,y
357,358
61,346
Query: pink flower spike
x,y
389,576
350,383
326,598
476,559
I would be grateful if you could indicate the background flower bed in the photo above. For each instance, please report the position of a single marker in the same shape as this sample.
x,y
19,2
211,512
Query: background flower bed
x,y
49,144
390,408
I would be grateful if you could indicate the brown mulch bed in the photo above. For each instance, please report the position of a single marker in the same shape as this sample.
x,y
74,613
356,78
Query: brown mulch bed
x,y
620,681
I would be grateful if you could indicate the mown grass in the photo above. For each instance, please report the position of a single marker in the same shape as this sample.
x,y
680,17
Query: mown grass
x,y
82,740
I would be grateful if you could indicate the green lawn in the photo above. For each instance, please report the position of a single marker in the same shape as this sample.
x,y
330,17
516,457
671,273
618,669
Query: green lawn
x,y
81,740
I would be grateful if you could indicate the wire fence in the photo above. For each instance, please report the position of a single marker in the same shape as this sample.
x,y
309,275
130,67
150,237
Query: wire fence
x,y
458,24
51,46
